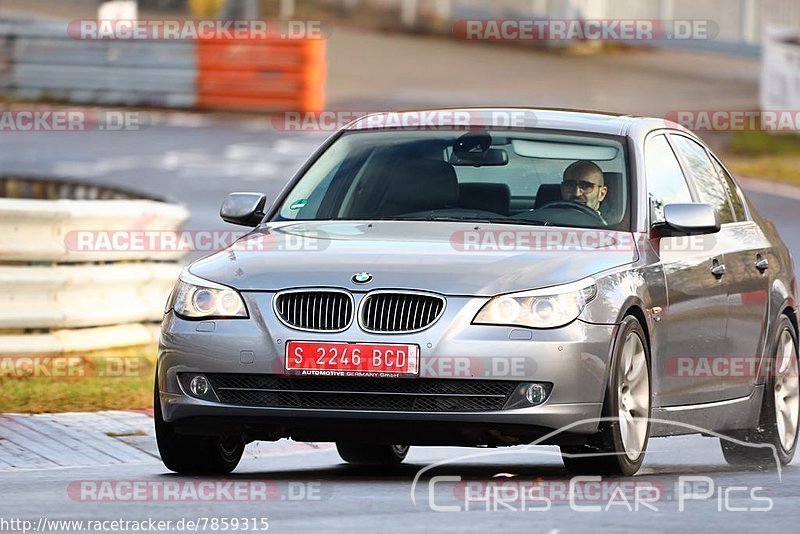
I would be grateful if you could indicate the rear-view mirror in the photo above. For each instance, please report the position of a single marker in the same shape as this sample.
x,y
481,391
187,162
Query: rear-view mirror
x,y
688,219
244,209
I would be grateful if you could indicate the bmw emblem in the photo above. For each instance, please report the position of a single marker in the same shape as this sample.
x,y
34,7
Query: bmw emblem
x,y
362,278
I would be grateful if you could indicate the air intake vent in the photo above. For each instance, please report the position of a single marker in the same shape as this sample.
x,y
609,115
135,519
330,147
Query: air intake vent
x,y
315,310
356,393
400,312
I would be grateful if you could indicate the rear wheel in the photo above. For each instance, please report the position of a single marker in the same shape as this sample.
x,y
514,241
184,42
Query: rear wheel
x,y
619,446
372,454
202,455
780,410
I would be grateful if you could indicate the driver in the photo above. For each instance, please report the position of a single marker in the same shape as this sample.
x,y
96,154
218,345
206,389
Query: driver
x,y
584,183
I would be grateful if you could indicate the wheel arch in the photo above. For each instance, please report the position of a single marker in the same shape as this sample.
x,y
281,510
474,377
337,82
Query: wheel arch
x,y
632,308
791,313
636,310
785,309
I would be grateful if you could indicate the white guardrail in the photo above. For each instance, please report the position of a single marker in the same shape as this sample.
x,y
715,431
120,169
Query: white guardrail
x,y
56,297
53,230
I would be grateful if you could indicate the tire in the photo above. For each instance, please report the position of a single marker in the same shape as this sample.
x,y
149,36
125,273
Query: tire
x,y
780,409
371,454
619,446
195,455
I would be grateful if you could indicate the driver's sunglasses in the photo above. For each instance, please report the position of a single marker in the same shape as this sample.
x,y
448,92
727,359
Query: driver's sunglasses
x,y
582,185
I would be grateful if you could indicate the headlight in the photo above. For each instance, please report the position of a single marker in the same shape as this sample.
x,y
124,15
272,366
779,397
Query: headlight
x,y
543,308
196,298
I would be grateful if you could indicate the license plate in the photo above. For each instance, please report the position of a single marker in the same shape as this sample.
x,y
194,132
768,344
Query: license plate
x,y
352,359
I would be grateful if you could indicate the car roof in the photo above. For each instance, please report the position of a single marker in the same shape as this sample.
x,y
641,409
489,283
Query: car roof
x,y
538,118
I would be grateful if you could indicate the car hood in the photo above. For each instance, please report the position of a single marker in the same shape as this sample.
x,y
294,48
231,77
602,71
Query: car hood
x,y
443,257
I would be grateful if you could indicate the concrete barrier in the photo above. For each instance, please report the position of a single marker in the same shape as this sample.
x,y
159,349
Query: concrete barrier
x,y
55,297
43,61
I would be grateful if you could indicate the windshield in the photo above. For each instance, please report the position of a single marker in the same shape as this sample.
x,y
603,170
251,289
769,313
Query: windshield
x,y
513,177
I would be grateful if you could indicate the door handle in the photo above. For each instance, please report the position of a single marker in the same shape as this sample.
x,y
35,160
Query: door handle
x,y
718,269
762,263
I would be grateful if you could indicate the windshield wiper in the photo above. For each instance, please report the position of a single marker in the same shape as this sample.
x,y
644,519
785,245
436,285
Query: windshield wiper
x,y
485,220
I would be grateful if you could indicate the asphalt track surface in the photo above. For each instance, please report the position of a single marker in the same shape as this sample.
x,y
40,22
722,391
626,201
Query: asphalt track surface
x,y
315,492
198,164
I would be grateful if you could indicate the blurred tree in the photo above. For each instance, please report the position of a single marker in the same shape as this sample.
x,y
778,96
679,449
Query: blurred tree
x,y
207,8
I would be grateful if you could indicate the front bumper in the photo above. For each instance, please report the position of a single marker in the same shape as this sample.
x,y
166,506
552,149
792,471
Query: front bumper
x,y
573,358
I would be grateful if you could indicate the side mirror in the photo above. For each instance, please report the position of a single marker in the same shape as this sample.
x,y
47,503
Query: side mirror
x,y
688,219
244,209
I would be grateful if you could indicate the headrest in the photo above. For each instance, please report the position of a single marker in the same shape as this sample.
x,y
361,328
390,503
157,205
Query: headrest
x,y
421,185
488,197
547,193
613,207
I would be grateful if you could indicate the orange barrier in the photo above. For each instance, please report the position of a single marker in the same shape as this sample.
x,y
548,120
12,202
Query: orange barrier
x,y
261,75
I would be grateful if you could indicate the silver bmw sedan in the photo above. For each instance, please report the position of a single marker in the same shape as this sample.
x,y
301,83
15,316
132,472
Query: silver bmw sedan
x,y
488,277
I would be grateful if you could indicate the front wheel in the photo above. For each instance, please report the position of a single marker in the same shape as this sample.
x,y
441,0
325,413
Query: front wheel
x,y
371,454
195,455
780,410
619,446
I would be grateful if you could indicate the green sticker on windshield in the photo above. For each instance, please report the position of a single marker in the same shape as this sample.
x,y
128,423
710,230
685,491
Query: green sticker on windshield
x,y
299,204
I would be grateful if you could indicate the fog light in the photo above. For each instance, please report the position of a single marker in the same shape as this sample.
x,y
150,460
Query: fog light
x,y
199,386
528,395
535,394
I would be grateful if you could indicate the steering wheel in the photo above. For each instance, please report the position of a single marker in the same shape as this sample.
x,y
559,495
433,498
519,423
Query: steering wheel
x,y
577,206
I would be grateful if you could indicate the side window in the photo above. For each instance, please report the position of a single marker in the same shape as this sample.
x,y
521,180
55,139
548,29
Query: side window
x,y
732,190
665,181
710,184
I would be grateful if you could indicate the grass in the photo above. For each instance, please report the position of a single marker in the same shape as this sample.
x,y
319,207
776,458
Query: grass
x,y
110,380
760,154
760,143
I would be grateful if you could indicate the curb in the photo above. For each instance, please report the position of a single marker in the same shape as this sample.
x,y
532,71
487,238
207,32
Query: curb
x,y
91,439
